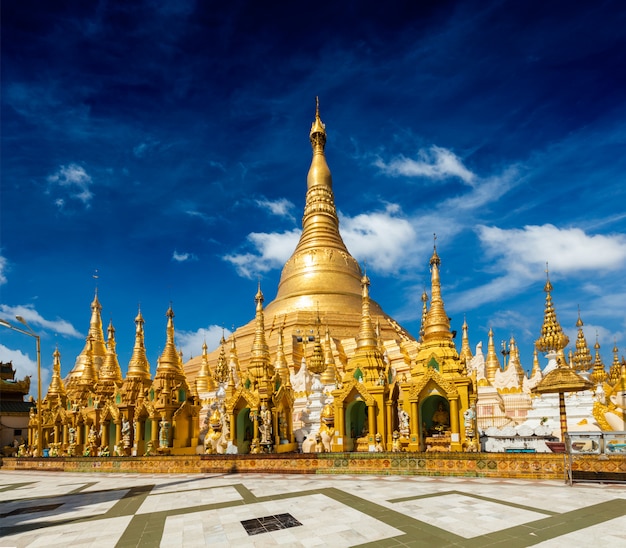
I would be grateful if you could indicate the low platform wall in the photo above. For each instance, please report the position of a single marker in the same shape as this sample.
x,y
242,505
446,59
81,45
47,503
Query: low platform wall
x,y
490,465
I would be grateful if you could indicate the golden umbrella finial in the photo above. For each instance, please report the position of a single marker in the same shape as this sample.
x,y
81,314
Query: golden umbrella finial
x,y
560,380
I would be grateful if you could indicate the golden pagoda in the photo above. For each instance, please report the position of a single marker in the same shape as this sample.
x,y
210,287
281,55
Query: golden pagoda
x,y
321,278
439,390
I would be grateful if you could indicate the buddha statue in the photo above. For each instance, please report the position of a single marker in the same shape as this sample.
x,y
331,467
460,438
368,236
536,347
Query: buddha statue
x,y
441,417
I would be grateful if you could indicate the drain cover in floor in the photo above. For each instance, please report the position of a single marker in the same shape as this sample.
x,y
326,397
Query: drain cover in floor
x,y
269,523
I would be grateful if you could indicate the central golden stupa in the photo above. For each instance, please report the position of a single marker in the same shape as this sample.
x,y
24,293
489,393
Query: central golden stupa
x,y
321,280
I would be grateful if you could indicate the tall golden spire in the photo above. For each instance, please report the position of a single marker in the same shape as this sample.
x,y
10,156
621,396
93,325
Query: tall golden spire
x,y
598,374
536,367
110,371
204,380
437,325
260,356
367,336
424,312
329,376
367,356
321,265
615,371
492,364
221,369
281,361
138,366
552,337
56,391
582,360
96,333
169,361
466,351
89,376
94,344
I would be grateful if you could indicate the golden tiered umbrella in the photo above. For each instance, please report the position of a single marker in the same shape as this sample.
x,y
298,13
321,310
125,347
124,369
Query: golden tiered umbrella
x,y
562,379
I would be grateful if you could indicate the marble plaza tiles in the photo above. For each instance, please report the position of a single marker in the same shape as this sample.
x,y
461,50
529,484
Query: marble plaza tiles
x,y
100,510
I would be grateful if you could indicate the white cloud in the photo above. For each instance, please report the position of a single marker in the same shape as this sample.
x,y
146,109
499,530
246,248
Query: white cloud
x,y
566,250
280,208
383,239
3,269
74,177
520,256
34,319
484,191
272,251
433,163
24,366
183,257
190,342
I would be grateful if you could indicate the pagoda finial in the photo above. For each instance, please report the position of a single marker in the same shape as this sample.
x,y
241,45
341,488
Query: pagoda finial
x,y
437,323
138,365
581,360
552,337
492,364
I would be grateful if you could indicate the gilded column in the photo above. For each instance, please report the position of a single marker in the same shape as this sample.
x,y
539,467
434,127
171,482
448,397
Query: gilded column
x,y
414,425
371,419
389,422
255,425
454,425
154,432
118,432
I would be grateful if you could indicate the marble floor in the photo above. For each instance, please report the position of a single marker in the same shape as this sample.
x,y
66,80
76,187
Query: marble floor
x,y
123,510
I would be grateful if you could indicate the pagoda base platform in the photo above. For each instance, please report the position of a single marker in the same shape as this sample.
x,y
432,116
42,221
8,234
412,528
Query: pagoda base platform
x,y
495,465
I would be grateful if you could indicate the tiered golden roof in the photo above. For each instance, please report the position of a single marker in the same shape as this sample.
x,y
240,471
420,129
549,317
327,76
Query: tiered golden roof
x,y
562,379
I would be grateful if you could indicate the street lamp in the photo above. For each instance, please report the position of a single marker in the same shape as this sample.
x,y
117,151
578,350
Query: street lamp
x,y
31,333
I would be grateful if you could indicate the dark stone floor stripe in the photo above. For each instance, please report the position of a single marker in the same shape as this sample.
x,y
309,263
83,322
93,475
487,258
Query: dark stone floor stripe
x,y
475,496
12,486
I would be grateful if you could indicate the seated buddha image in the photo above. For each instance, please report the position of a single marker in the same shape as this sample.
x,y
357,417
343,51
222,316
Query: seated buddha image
x,y
441,418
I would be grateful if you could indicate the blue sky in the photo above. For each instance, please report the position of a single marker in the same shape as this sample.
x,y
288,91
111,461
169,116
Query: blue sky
x,y
165,146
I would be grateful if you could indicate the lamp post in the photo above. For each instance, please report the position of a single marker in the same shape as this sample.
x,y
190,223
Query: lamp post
x,y
31,333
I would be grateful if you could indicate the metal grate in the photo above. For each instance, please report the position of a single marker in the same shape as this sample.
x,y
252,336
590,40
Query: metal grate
x,y
257,526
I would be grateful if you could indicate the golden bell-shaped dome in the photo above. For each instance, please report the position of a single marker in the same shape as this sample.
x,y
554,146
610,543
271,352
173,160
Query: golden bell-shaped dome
x,y
321,273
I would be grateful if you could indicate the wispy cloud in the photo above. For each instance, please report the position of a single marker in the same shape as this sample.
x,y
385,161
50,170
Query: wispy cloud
x,y
190,342
3,269
517,255
270,251
433,163
281,207
76,180
183,257
35,319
